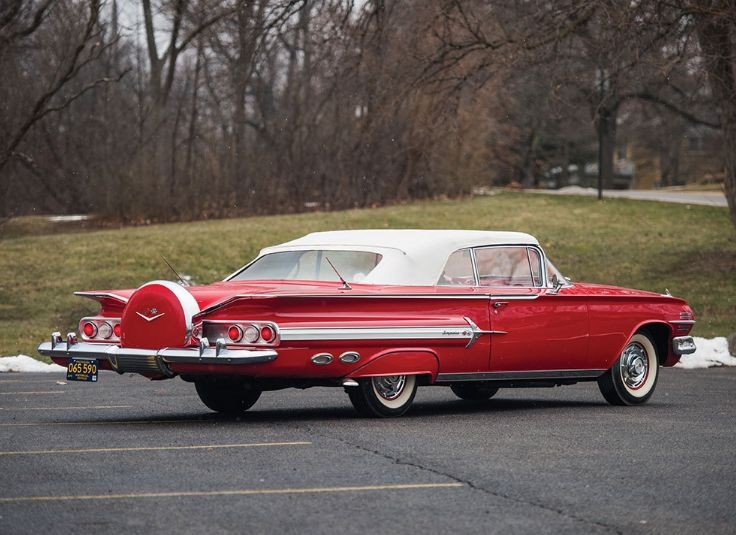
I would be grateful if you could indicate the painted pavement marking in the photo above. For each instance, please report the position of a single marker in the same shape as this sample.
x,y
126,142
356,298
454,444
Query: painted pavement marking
x,y
95,407
158,448
236,492
32,393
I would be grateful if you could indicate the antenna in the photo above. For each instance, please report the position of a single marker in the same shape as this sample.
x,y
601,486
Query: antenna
x,y
345,285
183,282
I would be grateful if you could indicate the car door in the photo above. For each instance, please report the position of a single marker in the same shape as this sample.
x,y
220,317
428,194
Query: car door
x,y
533,326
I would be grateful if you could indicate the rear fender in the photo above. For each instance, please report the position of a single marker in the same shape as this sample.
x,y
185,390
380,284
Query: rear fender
x,y
419,361
111,304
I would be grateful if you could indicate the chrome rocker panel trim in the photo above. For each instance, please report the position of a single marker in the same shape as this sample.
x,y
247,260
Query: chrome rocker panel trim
x,y
204,355
543,375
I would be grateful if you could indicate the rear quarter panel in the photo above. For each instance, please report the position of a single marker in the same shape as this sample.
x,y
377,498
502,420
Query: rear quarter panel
x,y
378,356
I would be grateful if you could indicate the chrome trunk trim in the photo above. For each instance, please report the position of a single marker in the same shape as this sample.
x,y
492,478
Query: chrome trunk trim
x,y
119,356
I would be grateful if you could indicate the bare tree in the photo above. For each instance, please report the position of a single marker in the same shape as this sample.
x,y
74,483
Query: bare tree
x,y
20,25
715,26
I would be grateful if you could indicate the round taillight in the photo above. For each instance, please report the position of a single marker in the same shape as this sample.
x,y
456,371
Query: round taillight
x,y
117,330
251,334
235,333
89,329
105,330
267,333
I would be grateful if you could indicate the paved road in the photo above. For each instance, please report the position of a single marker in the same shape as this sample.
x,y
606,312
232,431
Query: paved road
x,y
705,198
138,456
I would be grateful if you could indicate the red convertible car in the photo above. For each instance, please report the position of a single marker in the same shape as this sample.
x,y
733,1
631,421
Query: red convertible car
x,y
379,313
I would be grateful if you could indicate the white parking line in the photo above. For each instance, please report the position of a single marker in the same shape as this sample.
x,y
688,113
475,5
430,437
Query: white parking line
x,y
32,381
159,448
116,422
92,407
237,492
32,393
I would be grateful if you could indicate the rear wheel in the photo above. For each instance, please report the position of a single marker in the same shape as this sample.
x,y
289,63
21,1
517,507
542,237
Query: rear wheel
x,y
474,391
632,378
385,396
231,397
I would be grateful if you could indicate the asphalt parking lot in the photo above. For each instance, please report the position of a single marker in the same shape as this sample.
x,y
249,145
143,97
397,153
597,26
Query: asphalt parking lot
x,y
130,455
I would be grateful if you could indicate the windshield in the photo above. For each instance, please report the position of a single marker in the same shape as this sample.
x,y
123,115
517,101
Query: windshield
x,y
353,266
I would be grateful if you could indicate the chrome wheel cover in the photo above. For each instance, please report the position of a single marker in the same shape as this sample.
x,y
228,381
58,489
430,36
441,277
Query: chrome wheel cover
x,y
634,365
389,387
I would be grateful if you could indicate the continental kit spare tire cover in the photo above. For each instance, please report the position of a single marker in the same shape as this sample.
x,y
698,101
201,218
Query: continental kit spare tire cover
x,y
159,314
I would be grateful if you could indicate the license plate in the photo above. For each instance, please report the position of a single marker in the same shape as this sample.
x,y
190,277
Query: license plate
x,y
82,370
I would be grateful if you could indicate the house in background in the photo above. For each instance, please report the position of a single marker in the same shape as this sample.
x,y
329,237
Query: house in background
x,y
673,154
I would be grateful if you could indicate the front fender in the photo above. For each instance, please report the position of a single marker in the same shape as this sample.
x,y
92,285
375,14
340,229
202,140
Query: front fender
x,y
661,331
405,361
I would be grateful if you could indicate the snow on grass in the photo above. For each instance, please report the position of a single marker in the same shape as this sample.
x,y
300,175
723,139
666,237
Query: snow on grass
x,y
24,363
710,352
68,218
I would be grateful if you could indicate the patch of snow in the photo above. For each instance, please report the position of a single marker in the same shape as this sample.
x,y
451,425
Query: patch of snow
x,y
710,352
68,218
577,189
24,363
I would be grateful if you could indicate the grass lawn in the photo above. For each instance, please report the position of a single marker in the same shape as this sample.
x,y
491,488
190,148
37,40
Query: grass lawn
x,y
689,249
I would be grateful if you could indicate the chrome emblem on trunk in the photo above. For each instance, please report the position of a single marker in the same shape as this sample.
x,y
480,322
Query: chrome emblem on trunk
x,y
151,314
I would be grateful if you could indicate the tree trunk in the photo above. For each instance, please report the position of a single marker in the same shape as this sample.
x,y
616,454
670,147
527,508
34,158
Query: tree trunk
x,y
607,142
715,35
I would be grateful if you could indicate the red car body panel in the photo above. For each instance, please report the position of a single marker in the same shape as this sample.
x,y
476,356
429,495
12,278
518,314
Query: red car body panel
x,y
583,327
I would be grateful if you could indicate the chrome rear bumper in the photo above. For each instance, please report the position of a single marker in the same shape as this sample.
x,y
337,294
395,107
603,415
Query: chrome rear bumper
x,y
126,359
683,345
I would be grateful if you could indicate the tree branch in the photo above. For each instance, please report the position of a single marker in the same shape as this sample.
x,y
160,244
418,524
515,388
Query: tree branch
x,y
32,26
41,104
649,97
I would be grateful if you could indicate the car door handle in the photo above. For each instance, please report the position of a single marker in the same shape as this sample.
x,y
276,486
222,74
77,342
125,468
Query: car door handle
x,y
499,304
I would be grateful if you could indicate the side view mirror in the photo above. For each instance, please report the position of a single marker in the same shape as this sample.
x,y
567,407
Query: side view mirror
x,y
557,285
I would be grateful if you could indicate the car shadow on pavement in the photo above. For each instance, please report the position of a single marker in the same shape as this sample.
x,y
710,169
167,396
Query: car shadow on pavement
x,y
427,409
422,409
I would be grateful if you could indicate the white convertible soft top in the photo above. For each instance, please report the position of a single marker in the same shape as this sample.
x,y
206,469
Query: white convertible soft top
x,y
410,257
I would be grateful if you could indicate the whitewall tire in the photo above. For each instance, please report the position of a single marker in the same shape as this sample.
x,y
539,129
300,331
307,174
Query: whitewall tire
x,y
633,377
383,396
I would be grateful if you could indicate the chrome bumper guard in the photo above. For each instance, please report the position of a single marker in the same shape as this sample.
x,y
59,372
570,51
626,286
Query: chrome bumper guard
x,y
124,359
683,345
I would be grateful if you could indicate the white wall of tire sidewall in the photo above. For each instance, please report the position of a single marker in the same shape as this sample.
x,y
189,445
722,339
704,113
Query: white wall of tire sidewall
x,y
402,399
652,362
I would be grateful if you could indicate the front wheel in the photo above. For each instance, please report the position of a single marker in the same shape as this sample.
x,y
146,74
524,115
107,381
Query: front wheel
x,y
632,378
230,397
385,396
